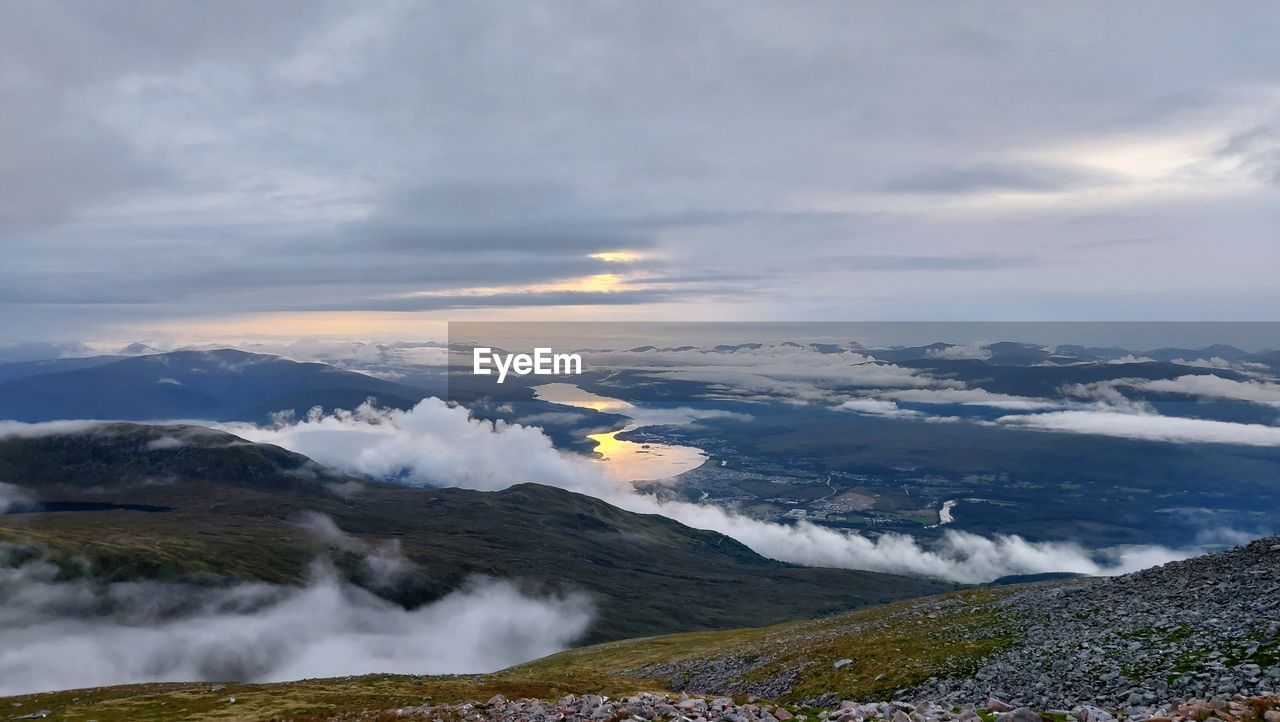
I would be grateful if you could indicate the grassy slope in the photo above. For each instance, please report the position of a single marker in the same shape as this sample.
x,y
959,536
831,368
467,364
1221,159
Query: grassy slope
x,y
907,642
233,508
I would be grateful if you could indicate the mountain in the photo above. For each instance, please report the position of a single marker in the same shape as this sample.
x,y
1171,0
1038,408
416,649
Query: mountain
x,y
1045,381
24,369
219,385
183,503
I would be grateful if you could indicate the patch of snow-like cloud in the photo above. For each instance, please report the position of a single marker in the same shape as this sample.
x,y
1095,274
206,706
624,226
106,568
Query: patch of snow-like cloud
x,y
976,350
1107,395
878,407
165,442
386,564
433,443
25,430
13,497
1130,359
552,418
65,635
1146,427
1211,386
437,444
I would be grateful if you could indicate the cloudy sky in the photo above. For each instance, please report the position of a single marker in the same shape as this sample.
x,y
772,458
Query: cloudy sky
x,y
368,169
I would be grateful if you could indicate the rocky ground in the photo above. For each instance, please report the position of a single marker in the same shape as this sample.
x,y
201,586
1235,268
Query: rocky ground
x,y
1184,642
1206,627
683,708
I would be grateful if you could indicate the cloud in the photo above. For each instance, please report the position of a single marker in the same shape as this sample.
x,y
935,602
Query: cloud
x,y
552,418
187,143
12,498
434,443
976,350
66,635
877,407
1147,427
24,430
1026,178
1210,386
385,563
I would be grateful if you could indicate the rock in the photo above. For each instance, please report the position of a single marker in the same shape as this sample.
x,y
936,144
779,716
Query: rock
x,y
782,714
995,705
842,662
1021,714
1089,713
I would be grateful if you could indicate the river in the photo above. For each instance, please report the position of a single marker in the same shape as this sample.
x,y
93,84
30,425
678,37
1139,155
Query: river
x,y
624,460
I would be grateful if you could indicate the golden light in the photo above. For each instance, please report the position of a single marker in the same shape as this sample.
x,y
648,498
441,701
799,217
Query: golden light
x,y
617,256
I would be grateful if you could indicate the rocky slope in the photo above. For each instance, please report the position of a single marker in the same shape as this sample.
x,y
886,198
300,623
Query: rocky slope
x,y
683,708
1202,627
1207,627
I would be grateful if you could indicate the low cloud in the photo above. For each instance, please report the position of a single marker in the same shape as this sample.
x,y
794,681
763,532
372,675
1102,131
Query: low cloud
x,y
65,635
443,445
552,418
13,498
877,407
1147,427
1210,386
23,430
385,563
960,351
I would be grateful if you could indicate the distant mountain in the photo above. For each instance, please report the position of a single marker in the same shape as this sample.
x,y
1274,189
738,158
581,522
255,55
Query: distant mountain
x,y
220,385
186,503
1046,380
1222,351
24,369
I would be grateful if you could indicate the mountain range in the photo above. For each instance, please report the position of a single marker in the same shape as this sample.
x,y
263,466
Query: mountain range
x,y
183,503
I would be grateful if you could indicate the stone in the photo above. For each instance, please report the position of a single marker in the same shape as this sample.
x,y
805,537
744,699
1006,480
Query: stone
x,y
1021,714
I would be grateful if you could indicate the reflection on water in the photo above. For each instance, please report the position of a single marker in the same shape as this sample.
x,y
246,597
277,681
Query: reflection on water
x,y
624,460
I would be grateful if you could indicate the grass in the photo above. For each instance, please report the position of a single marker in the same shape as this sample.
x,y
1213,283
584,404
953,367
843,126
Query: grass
x,y
893,646
319,698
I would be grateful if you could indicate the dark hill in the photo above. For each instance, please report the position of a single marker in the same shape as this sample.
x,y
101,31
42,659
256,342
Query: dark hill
x,y
233,509
220,385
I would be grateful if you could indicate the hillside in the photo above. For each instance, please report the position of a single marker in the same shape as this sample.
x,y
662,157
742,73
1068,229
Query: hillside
x,y
1184,642
184,503
219,385
1205,626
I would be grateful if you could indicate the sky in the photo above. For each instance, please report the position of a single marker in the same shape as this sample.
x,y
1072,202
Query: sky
x,y
373,169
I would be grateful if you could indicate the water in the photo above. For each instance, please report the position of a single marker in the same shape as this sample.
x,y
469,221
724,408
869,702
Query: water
x,y
625,460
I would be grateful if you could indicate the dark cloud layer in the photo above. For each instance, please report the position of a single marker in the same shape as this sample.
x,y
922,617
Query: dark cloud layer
x,y
164,161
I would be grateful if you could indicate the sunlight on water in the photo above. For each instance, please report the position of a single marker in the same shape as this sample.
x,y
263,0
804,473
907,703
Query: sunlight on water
x,y
624,460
